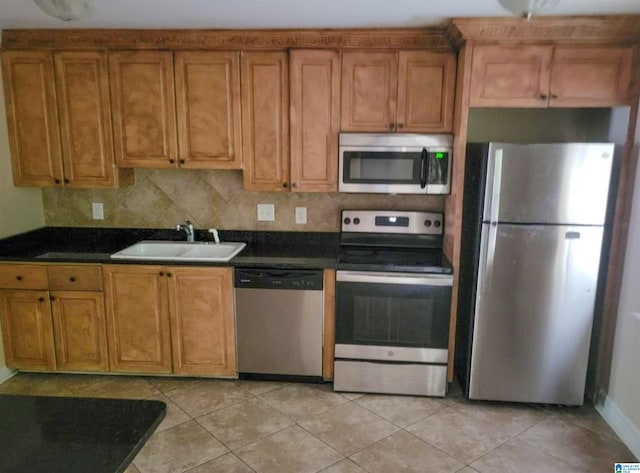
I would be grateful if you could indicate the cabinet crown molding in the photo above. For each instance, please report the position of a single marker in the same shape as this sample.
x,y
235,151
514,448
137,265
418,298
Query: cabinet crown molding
x,y
371,38
557,29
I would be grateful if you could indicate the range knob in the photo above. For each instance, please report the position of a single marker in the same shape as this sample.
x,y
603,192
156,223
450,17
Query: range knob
x,y
347,220
356,221
436,223
427,223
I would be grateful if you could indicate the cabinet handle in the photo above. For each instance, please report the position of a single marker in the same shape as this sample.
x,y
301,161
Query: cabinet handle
x,y
182,161
169,275
57,181
544,97
72,279
391,126
161,273
294,184
52,298
554,96
172,161
66,181
19,278
40,299
400,126
285,184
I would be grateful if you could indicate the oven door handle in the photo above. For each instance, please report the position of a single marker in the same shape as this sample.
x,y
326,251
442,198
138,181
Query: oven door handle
x,y
410,279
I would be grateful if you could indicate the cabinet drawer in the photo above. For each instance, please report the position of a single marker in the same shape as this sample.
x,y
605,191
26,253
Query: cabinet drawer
x,y
23,276
74,278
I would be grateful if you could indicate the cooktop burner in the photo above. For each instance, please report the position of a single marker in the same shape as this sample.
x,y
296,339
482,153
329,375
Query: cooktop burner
x,y
392,241
394,260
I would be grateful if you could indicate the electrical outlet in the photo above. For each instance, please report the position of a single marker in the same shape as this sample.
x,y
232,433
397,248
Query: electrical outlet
x,y
301,215
266,212
97,210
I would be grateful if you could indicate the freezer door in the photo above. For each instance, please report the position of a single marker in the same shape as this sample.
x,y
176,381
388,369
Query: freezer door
x,y
534,311
548,183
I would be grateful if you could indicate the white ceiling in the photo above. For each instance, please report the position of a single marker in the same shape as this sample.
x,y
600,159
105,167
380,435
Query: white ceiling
x,y
215,14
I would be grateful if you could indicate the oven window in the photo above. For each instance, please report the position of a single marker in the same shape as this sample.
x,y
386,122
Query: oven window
x,y
392,314
381,167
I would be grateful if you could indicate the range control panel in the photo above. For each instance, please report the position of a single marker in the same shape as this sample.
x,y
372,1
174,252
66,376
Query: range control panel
x,y
392,221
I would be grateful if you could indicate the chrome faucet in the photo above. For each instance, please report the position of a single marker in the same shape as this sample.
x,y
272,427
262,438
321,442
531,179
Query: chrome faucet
x,y
187,226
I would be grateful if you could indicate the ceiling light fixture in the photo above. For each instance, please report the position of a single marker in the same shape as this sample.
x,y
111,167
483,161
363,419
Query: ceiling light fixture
x,y
67,10
527,8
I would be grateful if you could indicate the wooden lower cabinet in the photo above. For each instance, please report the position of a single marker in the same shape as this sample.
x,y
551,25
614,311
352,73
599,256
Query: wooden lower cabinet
x,y
27,331
202,321
79,331
137,318
154,312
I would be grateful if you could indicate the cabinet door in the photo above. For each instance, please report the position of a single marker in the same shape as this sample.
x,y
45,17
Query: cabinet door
x,y
202,321
32,118
82,85
369,85
79,330
315,120
265,121
590,77
137,318
426,88
142,100
27,331
510,76
208,107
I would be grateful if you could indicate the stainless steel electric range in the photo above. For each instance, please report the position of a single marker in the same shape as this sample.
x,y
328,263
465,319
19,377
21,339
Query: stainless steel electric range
x,y
393,298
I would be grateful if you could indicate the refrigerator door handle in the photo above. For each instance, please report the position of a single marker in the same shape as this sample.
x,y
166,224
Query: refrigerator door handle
x,y
495,186
487,256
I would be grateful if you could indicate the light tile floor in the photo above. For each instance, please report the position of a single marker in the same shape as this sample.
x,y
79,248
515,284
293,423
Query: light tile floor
x,y
227,426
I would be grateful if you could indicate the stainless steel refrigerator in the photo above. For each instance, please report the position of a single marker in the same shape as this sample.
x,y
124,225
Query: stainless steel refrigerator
x,y
532,235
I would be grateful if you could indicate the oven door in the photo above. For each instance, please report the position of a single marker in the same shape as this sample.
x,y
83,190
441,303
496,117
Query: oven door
x,y
392,316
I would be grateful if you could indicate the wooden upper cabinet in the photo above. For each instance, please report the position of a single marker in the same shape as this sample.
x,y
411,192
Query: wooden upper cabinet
x,y
369,83
545,75
315,119
514,76
589,76
143,107
27,330
82,84
202,321
208,109
265,120
137,318
426,90
79,331
32,118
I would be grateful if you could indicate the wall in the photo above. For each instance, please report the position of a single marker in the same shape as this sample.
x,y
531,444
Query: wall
x,y
20,208
621,408
162,198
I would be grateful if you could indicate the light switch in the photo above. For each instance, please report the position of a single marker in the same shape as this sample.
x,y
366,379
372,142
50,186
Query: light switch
x,y
301,215
97,210
266,212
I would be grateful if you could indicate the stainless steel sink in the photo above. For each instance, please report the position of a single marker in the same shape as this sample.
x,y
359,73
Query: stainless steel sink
x,y
181,251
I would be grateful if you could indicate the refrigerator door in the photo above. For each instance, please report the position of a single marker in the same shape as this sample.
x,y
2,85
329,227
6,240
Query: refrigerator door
x,y
534,311
548,183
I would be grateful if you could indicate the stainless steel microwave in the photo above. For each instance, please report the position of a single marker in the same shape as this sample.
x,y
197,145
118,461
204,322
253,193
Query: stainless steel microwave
x,y
395,163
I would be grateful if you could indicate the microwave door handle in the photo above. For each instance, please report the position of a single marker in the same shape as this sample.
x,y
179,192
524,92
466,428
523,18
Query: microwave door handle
x,y
424,168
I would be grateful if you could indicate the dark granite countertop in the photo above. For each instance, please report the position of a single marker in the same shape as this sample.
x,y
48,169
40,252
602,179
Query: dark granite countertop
x,y
73,435
95,245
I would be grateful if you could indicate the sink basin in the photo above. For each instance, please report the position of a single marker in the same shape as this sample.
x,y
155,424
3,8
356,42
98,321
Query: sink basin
x,y
180,251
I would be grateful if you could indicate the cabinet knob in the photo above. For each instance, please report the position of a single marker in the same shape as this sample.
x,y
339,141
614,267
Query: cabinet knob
x,y
72,279
169,275
172,161
66,181
391,125
294,184
40,299
285,184
182,161
400,126
161,273
544,96
19,278
554,96
52,298
57,181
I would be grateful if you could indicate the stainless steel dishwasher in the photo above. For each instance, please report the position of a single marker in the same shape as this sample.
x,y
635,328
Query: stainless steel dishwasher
x,y
279,323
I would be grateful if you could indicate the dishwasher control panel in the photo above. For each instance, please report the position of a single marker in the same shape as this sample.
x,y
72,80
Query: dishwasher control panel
x,y
257,278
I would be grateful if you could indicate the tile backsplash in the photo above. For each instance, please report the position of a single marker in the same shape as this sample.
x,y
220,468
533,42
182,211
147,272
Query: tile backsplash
x,y
161,198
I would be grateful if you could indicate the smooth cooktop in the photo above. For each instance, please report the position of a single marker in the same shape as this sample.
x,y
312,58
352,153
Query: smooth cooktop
x,y
394,260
